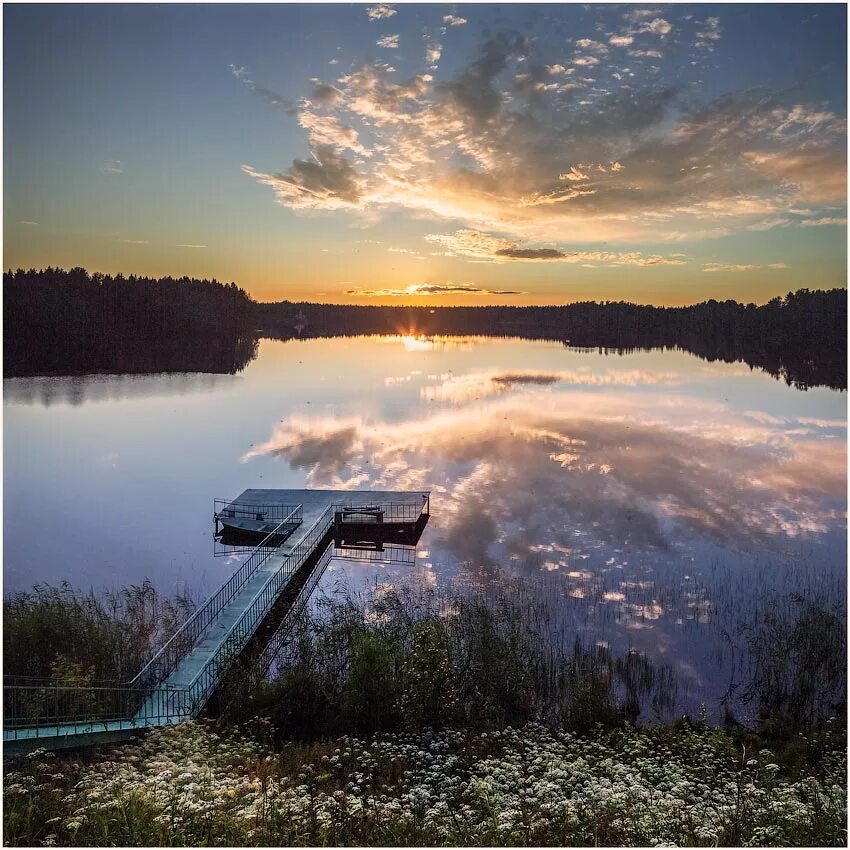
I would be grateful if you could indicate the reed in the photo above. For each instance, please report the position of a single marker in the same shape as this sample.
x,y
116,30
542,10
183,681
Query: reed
x,y
408,658
76,639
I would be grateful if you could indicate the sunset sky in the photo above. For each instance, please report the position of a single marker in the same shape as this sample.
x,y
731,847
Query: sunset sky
x,y
432,154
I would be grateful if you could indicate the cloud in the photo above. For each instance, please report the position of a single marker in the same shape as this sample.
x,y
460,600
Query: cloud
x,y
381,11
453,20
646,54
816,175
327,181
487,146
145,242
112,166
657,26
185,245
517,253
270,97
447,288
326,131
740,267
325,95
709,34
769,224
388,41
591,45
433,52
461,389
621,40
821,222
637,15
485,247
28,223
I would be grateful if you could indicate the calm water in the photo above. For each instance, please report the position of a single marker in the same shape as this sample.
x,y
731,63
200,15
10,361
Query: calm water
x,y
656,497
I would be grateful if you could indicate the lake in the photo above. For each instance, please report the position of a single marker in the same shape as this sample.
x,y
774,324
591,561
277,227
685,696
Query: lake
x,y
657,499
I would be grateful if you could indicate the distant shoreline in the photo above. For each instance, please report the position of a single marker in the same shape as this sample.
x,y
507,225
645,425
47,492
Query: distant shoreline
x,y
59,322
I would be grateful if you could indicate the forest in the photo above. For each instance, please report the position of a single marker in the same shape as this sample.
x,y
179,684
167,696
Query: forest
x,y
74,322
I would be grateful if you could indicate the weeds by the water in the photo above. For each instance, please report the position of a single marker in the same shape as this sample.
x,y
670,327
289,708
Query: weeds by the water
x,y
186,785
76,639
406,658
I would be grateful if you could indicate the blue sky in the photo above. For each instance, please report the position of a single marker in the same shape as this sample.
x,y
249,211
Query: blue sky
x,y
413,153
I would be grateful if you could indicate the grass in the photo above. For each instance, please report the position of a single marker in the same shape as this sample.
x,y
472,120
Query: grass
x,y
406,658
74,638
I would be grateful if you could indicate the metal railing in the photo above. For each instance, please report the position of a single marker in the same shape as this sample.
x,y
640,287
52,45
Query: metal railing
x,y
258,670
389,511
387,553
210,674
49,708
247,510
164,662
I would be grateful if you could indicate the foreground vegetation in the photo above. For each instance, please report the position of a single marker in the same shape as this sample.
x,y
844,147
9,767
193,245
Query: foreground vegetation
x,y
402,657
188,785
70,638
407,716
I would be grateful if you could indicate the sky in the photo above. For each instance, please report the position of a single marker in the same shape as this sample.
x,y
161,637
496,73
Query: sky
x,y
433,154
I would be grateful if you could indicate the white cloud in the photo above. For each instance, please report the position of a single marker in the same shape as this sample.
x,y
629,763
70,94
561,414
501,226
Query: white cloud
x,y
388,41
710,34
658,26
485,247
504,145
769,224
112,166
380,11
433,52
740,267
591,45
453,21
821,222
620,40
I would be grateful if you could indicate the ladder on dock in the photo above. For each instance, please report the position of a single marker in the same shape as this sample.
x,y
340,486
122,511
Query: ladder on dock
x,y
256,605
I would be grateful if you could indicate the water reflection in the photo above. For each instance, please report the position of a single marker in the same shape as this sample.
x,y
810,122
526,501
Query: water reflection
x,y
79,389
653,497
584,471
651,515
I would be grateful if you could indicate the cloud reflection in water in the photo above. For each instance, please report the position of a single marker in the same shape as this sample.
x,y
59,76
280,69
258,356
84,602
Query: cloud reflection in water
x,y
655,518
580,470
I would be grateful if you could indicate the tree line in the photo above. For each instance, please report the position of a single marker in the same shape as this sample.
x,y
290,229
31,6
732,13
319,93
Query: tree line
x,y
69,322
72,322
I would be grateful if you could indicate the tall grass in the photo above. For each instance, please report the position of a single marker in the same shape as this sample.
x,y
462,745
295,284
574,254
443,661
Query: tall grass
x,y
407,658
76,639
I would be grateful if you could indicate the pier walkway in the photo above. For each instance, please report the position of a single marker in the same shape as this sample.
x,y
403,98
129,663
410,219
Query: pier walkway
x,y
251,612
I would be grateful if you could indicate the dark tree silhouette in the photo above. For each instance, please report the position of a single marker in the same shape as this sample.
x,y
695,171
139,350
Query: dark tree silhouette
x,y
71,322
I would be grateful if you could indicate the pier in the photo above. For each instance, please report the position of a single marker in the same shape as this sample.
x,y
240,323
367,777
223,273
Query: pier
x,y
247,618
